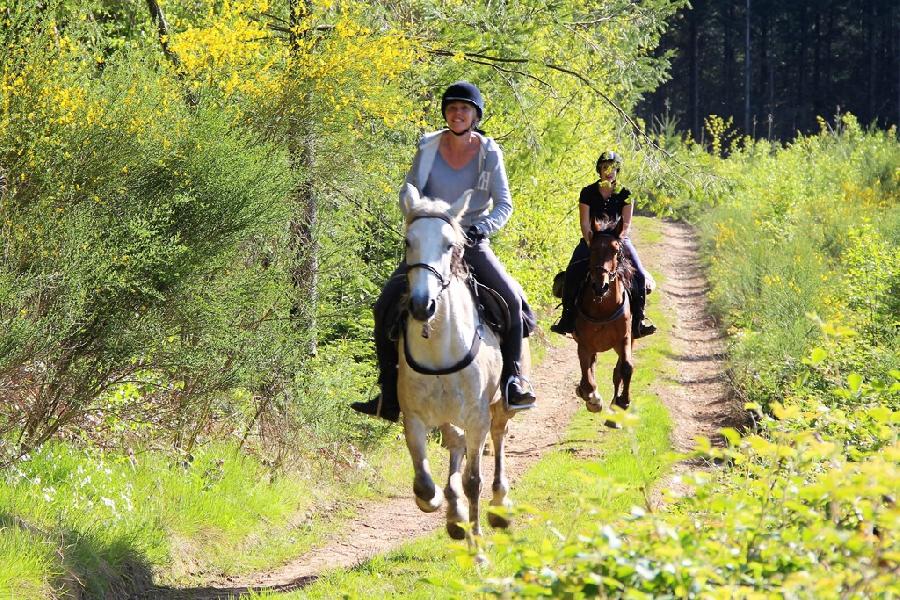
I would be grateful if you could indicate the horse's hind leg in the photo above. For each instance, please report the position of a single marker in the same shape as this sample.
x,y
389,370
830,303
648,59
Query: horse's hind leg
x,y
617,377
457,513
428,496
500,487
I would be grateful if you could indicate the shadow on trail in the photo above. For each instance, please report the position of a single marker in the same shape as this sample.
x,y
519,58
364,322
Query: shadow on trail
x,y
221,593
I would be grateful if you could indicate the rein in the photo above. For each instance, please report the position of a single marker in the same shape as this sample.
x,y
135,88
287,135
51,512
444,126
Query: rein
x,y
614,317
466,360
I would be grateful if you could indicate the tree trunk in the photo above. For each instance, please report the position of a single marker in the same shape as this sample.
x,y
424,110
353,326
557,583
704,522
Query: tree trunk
x,y
747,67
694,72
727,90
305,272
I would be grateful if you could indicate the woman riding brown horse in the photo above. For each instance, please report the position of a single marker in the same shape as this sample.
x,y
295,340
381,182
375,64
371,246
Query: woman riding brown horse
x,y
604,316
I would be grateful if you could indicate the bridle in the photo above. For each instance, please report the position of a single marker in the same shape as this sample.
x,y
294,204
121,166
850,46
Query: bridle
x,y
445,283
598,271
612,276
466,360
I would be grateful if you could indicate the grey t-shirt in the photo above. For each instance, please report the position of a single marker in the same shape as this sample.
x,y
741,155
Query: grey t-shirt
x,y
446,183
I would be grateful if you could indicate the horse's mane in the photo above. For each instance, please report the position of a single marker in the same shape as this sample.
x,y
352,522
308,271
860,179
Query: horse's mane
x,y
427,207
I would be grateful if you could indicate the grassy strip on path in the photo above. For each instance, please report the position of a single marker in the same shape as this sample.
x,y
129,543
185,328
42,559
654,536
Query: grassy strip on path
x,y
594,467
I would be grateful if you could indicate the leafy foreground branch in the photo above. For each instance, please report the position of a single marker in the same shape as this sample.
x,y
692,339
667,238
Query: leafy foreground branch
x,y
798,510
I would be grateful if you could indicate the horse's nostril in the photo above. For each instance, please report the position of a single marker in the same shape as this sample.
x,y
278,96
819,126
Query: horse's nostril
x,y
432,306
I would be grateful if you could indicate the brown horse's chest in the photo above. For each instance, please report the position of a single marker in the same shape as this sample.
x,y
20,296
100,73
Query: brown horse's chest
x,y
602,336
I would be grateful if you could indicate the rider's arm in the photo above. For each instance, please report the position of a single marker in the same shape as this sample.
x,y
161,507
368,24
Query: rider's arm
x,y
584,214
627,211
501,198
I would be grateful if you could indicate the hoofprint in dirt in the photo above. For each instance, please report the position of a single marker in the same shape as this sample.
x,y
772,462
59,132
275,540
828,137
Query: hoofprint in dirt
x,y
386,525
698,400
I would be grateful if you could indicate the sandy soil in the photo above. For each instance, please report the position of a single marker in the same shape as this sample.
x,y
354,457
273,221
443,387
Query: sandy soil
x,y
698,399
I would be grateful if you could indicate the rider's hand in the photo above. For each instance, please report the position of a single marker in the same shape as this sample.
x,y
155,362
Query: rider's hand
x,y
473,235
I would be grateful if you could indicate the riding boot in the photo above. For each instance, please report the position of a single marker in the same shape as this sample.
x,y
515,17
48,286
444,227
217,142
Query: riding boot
x,y
385,404
641,326
566,322
517,388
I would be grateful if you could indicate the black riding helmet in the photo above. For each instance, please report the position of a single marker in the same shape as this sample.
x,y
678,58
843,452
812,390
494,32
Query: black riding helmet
x,y
462,91
609,156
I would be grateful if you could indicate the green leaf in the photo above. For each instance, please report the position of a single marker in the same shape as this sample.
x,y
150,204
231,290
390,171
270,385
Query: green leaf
x,y
817,356
730,434
854,382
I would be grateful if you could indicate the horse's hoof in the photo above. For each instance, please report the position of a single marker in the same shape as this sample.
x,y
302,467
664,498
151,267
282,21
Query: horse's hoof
x,y
497,522
455,531
429,506
481,560
612,424
622,403
593,407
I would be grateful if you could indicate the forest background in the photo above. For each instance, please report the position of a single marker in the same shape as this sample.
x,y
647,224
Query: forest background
x,y
198,207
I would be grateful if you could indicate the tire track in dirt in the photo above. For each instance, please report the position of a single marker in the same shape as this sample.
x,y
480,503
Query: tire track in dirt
x,y
698,399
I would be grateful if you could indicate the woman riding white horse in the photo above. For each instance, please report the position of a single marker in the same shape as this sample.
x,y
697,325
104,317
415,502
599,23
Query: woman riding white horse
x,y
450,367
448,163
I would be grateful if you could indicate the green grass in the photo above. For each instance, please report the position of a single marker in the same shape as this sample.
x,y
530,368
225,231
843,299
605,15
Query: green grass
x,y
93,515
99,515
596,475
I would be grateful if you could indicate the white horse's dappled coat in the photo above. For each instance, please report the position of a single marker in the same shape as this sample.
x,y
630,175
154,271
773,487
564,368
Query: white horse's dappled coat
x,y
465,404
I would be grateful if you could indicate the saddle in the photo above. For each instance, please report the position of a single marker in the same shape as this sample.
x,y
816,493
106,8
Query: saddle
x,y
492,309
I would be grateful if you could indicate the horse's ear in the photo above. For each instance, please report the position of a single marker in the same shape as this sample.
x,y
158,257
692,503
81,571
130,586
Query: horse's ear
x,y
458,208
409,197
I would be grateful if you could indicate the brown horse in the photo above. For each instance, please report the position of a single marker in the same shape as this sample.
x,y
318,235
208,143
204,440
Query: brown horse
x,y
604,316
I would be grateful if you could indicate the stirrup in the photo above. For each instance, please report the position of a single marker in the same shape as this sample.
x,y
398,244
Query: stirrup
x,y
514,407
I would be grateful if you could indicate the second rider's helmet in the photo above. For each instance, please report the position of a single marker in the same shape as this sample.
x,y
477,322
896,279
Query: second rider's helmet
x,y
463,91
609,156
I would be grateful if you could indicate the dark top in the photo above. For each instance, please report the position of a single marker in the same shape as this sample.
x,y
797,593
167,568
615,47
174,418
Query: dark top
x,y
604,209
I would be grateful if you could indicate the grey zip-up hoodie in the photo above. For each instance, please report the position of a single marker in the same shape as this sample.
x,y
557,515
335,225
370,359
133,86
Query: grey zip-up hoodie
x,y
491,203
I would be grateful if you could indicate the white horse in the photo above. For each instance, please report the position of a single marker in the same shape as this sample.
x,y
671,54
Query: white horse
x,y
449,369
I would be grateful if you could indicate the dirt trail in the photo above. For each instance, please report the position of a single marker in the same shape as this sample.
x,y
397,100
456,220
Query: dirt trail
x,y
698,401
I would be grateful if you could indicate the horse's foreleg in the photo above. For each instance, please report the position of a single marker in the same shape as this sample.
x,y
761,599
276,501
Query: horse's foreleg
x,y
428,496
587,389
457,513
617,377
475,439
624,370
500,488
